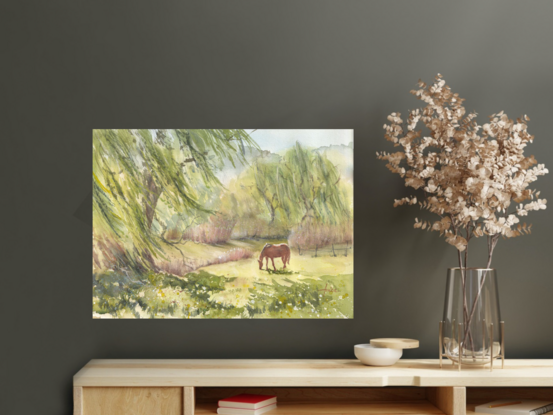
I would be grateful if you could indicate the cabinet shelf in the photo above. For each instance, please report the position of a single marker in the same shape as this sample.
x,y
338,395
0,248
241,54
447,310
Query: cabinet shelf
x,y
322,387
334,408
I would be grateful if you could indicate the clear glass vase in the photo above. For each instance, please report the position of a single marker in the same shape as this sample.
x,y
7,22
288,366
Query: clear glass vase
x,y
471,332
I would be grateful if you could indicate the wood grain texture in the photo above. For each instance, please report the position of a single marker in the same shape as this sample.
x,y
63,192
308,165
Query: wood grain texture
x,y
395,343
422,408
188,400
132,401
77,400
212,395
307,373
450,400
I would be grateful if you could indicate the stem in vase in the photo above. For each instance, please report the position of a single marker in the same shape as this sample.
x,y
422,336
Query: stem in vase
x,y
492,242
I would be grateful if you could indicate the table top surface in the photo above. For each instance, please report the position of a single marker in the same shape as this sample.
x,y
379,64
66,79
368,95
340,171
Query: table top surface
x,y
308,373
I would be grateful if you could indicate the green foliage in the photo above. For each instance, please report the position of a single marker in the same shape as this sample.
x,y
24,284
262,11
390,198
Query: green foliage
x,y
162,295
280,271
118,293
304,185
312,181
145,181
275,196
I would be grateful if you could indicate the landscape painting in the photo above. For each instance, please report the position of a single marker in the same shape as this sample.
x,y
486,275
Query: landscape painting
x,y
222,224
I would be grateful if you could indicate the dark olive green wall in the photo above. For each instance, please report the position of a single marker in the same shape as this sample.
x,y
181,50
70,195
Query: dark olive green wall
x,y
71,66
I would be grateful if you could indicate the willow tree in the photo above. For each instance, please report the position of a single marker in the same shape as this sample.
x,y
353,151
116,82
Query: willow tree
x,y
314,181
302,186
268,185
140,177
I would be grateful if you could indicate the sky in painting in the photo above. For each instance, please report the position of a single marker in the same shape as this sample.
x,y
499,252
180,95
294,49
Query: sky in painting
x,y
279,140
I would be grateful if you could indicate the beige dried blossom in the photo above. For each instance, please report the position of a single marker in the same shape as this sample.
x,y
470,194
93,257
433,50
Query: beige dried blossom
x,y
475,178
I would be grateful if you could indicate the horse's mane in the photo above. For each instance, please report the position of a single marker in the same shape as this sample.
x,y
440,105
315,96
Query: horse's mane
x,y
263,250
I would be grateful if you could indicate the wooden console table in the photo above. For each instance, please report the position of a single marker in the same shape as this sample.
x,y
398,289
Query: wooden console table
x,y
177,387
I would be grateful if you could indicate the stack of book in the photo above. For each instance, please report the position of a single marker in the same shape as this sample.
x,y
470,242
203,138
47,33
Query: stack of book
x,y
247,404
515,407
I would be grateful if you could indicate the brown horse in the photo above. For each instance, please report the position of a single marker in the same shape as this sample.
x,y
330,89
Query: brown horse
x,y
274,251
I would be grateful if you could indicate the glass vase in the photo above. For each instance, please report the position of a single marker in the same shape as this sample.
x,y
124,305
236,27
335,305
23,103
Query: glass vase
x,y
471,332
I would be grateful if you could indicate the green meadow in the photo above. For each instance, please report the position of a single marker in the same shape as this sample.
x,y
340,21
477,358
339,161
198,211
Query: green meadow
x,y
310,287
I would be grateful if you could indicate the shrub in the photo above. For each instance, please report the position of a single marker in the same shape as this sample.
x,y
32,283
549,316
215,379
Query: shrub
x,y
233,255
180,267
312,235
176,267
108,253
218,229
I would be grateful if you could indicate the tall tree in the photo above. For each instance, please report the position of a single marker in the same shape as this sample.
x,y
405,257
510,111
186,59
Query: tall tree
x,y
306,185
133,170
303,185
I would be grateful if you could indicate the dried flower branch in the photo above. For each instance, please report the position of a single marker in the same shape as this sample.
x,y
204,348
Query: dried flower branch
x,y
475,178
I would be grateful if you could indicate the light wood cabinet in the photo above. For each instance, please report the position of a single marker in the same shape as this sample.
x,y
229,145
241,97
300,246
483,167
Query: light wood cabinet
x,y
167,387
123,401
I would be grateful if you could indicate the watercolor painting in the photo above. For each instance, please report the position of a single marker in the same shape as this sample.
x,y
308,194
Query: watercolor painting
x,y
222,224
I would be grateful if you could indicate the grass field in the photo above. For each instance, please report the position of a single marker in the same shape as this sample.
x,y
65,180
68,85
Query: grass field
x,y
310,287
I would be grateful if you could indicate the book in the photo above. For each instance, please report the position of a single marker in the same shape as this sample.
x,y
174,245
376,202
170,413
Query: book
x,y
515,407
242,411
247,401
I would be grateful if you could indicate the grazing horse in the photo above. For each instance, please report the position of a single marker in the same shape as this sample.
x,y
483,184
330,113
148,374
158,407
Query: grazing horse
x,y
274,251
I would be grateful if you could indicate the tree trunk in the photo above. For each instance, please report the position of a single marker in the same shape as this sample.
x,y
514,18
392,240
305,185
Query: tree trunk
x,y
151,198
269,205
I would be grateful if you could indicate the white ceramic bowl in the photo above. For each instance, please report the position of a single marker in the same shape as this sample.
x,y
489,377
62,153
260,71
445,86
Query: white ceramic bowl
x,y
376,356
